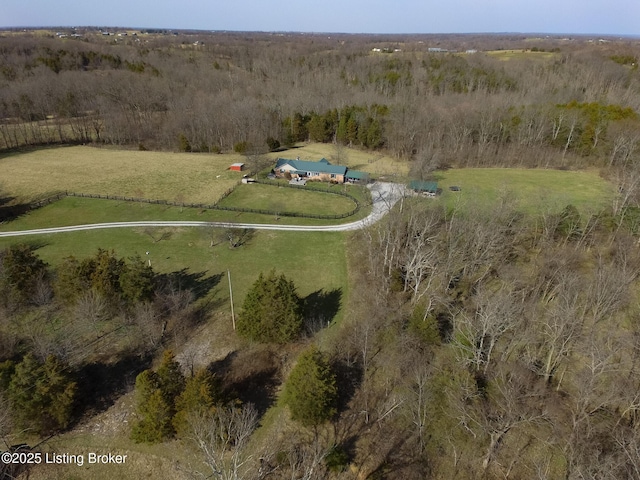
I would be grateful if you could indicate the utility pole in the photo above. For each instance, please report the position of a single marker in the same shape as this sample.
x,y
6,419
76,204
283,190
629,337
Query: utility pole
x,y
233,318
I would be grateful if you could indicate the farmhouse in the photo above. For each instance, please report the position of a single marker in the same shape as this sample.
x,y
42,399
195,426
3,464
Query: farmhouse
x,y
322,170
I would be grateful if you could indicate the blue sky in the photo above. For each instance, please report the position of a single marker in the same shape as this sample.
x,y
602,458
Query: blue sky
x,y
613,17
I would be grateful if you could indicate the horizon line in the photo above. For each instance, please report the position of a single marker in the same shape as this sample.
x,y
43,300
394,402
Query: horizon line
x,y
301,32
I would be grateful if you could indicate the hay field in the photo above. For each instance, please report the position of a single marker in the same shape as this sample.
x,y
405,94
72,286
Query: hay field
x,y
532,190
198,178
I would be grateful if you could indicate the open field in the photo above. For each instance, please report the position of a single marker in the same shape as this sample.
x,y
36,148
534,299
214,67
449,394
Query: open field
x,y
188,177
281,199
533,190
314,260
506,55
78,211
197,178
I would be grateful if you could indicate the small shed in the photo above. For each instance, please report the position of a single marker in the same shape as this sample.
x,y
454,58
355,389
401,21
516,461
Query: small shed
x,y
237,167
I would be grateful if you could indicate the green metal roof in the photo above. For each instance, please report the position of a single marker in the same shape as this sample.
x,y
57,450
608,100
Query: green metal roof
x,y
420,186
356,175
322,166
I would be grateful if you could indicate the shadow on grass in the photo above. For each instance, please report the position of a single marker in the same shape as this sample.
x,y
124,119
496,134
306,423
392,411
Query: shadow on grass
x,y
9,210
251,376
198,282
320,308
101,384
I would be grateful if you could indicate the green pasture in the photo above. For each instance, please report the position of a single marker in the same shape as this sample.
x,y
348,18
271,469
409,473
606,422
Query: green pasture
x,y
282,199
314,260
79,211
182,177
532,190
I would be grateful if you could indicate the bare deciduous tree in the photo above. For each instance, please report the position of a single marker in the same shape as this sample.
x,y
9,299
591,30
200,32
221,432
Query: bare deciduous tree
x,y
222,437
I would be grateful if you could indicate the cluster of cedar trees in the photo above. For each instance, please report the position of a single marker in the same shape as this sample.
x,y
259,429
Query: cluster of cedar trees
x,y
41,393
38,381
255,93
168,404
272,312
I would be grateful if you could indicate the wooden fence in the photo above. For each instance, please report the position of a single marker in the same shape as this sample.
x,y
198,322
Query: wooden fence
x,y
215,206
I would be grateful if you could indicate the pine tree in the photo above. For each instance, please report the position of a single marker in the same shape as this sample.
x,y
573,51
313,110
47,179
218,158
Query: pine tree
x,y
156,394
136,280
200,395
20,271
272,310
42,394
170,378
311,392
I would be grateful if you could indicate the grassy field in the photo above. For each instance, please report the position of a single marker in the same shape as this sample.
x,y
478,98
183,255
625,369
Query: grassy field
x,y
282,199
314,260
533,190
188,177
507,55
197,178
79,211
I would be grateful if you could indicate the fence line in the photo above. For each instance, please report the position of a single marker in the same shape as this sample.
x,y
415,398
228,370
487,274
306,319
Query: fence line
x,y
215,206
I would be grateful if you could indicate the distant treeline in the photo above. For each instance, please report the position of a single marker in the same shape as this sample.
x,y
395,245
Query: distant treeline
x,y
256,92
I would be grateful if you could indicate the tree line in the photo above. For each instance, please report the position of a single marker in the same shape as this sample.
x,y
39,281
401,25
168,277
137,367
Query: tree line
x,y
251,92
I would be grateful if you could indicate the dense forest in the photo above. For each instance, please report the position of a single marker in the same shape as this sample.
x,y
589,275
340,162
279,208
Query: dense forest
x,y
220,91
477,341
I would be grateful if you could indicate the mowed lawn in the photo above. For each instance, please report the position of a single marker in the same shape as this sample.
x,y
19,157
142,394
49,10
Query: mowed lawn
x,y
283,199
313,260
195,178
532,190
80,211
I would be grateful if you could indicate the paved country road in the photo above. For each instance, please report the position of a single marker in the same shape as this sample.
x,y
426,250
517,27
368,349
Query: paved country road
x,y
384,196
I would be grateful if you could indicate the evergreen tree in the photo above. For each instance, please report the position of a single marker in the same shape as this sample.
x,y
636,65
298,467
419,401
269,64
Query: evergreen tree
x,y
20,271
136,280
200,395
42,394
156,394
272,310
69,282
311,392
170,378
105,277
155,423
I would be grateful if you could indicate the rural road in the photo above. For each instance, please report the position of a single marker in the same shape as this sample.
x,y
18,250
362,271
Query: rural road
x,y
384,196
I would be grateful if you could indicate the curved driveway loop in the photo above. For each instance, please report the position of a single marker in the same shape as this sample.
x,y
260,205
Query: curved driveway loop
x,y
384,196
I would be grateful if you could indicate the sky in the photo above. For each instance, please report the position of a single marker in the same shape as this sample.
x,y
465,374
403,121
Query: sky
x,y
605,17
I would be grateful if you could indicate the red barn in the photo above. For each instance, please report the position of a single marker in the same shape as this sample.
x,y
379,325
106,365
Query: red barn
x,y
237,167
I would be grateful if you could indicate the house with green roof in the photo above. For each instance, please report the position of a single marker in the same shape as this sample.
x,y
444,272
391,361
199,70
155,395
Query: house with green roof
x,y
321,170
